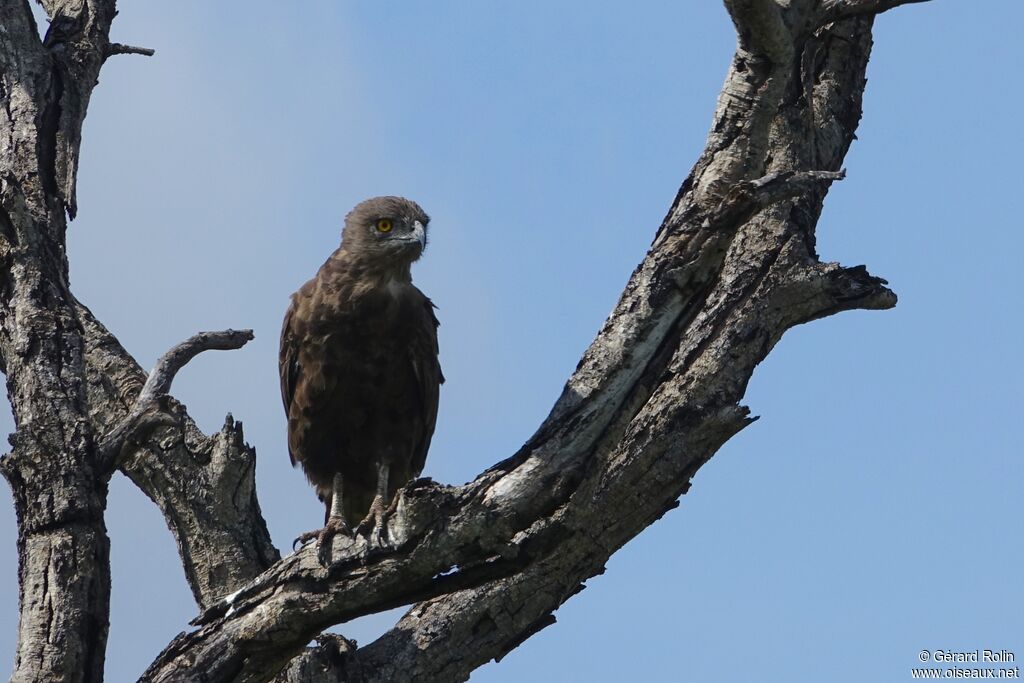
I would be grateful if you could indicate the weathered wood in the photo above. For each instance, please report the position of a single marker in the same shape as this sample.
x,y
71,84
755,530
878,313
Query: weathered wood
x,y
152,409
731,268
65,378
654,397
204,486
63,549
447,637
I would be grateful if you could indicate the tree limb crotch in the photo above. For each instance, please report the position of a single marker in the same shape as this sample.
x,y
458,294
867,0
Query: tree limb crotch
x,y
151,409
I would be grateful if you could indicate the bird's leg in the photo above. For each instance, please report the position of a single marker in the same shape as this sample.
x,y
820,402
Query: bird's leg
x,y
377,517
335,519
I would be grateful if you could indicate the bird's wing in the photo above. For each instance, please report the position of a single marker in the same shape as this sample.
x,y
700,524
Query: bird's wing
x,y
427,369
288,365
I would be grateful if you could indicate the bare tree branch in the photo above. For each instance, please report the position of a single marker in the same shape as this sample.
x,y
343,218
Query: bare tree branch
x,y
59,496
177,357
121,49
78,41
148,413
444,539
204,486
750,196
834,10
448,637
732,267
738,140
761,30
20,43
419,524
668,366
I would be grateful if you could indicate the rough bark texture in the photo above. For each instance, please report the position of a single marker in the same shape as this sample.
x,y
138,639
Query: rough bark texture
x,y
732,267
63,550
204,486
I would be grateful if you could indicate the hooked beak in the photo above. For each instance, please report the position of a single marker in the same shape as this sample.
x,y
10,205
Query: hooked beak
x,y
419,233
417,236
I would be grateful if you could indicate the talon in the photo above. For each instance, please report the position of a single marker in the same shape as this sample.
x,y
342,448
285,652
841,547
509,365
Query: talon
x,y
334,527
374,522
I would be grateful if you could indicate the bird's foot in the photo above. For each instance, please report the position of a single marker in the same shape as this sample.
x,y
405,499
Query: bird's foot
x,y
334,527
374,525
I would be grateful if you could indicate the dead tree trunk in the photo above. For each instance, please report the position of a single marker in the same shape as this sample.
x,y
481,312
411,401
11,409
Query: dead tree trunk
x,y
732,267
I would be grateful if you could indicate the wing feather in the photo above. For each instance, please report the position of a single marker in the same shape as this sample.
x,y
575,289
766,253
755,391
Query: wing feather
x,y
288,365
427,370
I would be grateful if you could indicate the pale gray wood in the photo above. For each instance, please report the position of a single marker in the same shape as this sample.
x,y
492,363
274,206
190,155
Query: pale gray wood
x,y
152,408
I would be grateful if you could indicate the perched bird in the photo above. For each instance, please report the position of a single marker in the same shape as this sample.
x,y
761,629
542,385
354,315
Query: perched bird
x,y
359,368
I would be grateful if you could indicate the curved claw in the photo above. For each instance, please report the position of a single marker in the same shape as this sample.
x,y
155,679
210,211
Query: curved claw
x,y
333,527
375,522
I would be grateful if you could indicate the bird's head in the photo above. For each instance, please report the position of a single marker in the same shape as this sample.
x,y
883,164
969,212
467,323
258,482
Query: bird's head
x,y
387,229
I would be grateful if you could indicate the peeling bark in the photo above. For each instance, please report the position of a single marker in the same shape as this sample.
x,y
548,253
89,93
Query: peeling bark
x,y
731,268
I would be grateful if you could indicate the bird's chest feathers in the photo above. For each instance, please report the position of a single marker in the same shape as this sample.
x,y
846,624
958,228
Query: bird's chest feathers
x,y
373,324
385,308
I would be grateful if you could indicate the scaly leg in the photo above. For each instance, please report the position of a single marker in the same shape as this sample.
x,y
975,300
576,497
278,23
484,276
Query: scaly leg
x,y
376,519
336,523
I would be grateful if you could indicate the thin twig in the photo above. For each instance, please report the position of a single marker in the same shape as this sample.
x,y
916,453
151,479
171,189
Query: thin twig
x,y
122,49
170,363
833,10
750,196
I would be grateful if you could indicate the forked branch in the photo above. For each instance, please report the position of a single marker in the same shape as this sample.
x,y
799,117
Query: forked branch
x,y
151,410
761,30
445,539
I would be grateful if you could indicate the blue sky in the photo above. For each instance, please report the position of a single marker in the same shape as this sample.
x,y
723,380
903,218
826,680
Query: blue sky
x,y
874,510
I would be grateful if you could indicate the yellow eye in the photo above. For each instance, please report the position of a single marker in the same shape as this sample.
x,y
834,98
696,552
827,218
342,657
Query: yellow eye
x,y
384,225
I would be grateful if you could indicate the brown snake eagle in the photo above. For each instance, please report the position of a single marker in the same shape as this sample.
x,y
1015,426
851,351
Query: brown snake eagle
x,y
359,368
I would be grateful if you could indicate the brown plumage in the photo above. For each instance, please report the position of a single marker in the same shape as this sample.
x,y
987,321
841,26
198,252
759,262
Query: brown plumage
x,y
359,367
